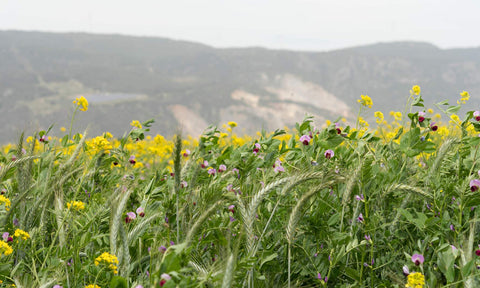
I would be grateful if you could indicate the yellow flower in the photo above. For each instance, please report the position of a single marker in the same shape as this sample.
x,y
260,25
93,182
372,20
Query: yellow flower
x,y
22,234
76,205
63,129
99,144
232,124
464,97
415,280
223,135
455,119
430,111
415,90
397,116
5,249
379,116
136,123
92,286
6,201
365,101
109,260
362,122
82,103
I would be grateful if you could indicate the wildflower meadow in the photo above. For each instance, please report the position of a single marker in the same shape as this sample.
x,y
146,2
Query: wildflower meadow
x,y
390,203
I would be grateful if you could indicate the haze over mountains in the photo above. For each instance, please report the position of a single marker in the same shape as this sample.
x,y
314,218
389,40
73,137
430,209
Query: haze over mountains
x,y
194,85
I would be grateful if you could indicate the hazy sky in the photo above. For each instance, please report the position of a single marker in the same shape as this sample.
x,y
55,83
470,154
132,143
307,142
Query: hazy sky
x,y
299,24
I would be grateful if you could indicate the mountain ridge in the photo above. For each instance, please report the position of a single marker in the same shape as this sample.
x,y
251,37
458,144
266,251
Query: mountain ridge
x,y
171,80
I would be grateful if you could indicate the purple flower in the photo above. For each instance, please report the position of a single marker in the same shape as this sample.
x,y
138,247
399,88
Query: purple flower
x,y
162,248
338,128
406,272
222,168
230,188
232,219
256,148
421,116
5,236
183,184
138,286
130,217
140,212
329,154
278,166
417,259
319,276
368,238
231,208
453,247
187,153
359,198
172,243
132,160
212,171
15,222
474,185
452,227
476,115
305,139
57,286
360,218
433,126
204,164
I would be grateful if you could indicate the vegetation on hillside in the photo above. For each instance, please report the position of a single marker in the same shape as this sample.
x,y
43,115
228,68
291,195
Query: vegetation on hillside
x,y
387,204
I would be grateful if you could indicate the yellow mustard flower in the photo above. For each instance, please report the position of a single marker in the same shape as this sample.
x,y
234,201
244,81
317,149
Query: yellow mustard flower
x,y
397,115
6,201
21,234
81,103
5,249
379,116
92,286
362,122
430,110
415,90
136,123
464,97
110,260
232,124
415,280
365,100
76,205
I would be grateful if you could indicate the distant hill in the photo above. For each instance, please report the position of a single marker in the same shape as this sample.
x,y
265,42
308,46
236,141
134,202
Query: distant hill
x,y
193,85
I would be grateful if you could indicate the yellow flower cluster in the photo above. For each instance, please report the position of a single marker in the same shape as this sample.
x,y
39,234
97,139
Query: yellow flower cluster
x,y
379,116
82,103
99,144
365,101
464,97
5,249
362,122
415,280
136,123
76,205
415,90
396,115
6,201
22,234
232,124
109,259
92,286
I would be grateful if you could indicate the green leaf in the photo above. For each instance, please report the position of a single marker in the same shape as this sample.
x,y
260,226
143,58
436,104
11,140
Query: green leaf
x,y
118,282
445,102
453,109
268,259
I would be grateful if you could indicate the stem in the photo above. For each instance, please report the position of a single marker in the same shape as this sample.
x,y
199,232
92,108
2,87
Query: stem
x,y
71,123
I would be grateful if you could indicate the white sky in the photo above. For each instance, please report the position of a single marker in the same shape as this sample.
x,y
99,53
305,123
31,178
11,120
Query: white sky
x,y
284,24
